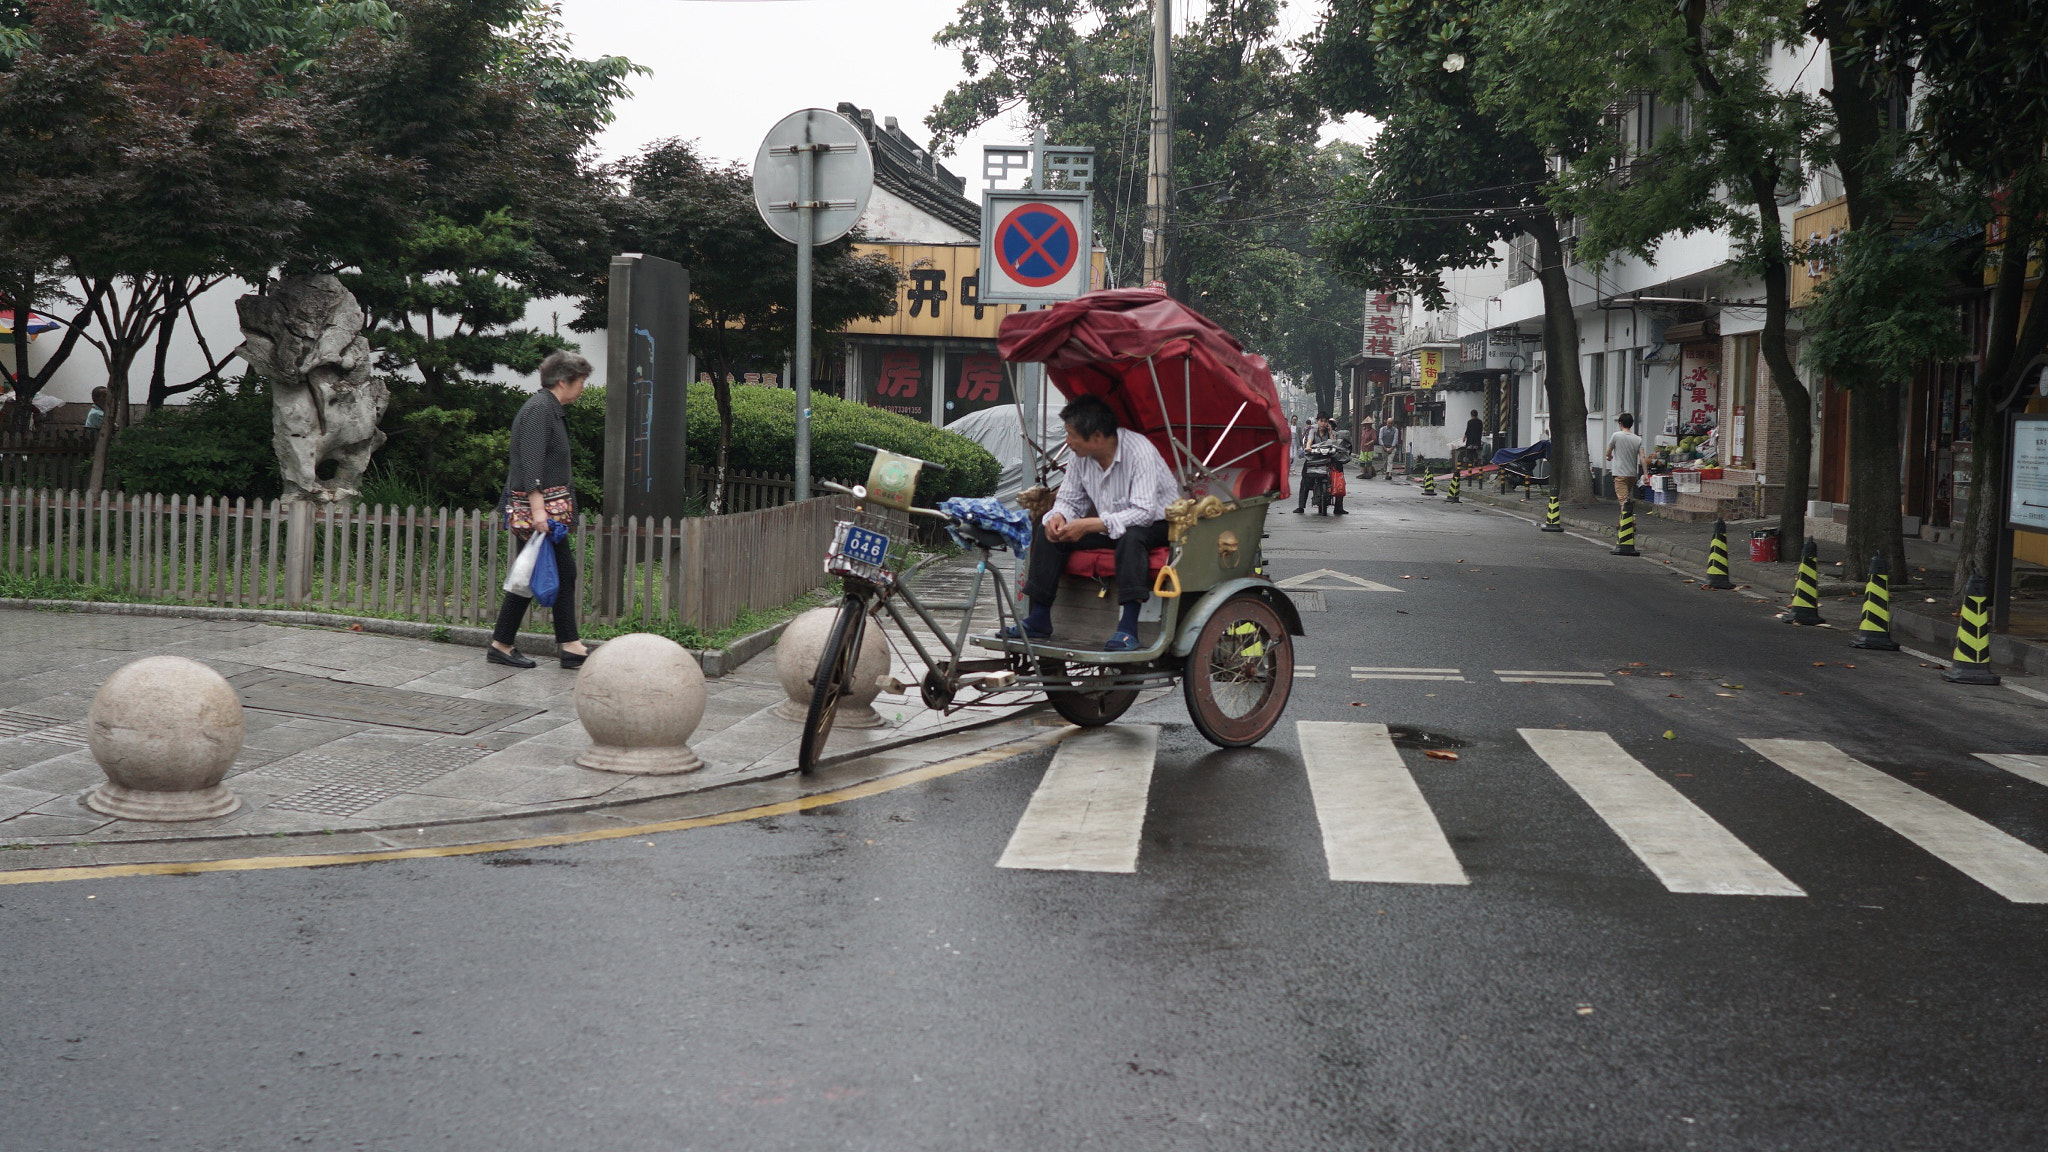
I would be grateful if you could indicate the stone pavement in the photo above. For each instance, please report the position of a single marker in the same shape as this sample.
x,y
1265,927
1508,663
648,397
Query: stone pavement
x,y
377,777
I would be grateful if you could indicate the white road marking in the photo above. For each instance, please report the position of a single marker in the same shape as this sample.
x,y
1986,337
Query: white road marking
x,y
2034,768
1345,582
1401,676
2000,862
1366,668
1089,810
1305,671
1377,827
1682,845
2023,690
1931,658
1555,680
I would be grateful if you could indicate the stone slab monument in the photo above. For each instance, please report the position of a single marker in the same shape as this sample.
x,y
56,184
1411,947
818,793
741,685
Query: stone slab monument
x,y
305,335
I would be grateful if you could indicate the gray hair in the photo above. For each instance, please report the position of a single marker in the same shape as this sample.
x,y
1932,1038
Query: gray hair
x,y
560,367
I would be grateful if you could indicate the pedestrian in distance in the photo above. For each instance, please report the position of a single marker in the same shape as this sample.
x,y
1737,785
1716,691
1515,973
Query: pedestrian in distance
x,y
1475,437
1115,496
538,492
1389,439
1625,459
98,415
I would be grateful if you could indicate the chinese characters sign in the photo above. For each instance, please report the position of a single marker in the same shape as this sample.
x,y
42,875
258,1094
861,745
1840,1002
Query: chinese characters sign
x,y
898,379
974,381
1430,362
1699,385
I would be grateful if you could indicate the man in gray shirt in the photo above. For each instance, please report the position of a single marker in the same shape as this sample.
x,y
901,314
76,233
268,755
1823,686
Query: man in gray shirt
x,y
1625,459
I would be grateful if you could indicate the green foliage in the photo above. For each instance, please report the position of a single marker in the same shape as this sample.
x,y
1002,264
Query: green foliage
x,y
1883,311
764,439
218,445
297,31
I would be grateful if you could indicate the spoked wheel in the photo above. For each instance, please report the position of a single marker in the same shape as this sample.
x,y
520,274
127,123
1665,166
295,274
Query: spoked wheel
x,y
829,683
1240,672
1089,709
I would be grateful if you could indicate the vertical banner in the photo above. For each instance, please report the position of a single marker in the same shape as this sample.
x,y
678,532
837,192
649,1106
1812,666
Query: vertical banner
x,y
974,381
898,379
1430,362
1699,386
647,361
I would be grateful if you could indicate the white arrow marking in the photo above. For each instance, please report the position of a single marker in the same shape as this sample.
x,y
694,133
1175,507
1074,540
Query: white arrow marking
x,y
1346,582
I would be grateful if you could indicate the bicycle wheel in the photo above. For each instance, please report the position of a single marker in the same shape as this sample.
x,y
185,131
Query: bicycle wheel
x,y
829,683
1088,709
1239,675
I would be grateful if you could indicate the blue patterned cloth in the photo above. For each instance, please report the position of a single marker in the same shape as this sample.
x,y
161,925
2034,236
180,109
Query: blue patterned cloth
x,y
982,512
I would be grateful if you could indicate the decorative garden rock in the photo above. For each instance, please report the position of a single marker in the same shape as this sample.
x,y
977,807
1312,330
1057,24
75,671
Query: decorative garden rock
x,y
796,661
640,697
305,335
165,730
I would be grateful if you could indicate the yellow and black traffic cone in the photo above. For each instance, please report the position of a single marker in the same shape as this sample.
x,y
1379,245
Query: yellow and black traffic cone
x,y
1717,559
1553,515
1876,629
1971,663
1452,496
1428,483
1625,532
1806,588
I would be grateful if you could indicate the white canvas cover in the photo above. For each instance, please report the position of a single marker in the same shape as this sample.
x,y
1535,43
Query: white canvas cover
x,y
999,430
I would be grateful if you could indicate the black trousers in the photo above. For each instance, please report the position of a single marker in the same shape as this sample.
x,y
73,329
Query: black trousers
x,y
1133,563
513,610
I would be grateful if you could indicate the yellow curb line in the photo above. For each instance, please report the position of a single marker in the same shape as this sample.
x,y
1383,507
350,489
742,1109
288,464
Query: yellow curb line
x,y
738,816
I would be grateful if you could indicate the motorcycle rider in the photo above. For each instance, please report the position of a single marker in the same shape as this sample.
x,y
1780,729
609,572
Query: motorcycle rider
x,y
1319,436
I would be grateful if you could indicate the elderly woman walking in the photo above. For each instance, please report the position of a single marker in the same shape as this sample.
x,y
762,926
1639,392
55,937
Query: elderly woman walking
x,y
538,491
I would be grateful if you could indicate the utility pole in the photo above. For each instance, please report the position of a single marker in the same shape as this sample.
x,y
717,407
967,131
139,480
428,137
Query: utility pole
x,y
1159,160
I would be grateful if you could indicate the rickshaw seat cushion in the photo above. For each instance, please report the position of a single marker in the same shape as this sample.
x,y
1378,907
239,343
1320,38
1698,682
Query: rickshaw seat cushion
x,y
1100,563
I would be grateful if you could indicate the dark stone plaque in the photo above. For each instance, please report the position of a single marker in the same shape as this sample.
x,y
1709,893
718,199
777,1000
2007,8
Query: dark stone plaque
x,y
300,695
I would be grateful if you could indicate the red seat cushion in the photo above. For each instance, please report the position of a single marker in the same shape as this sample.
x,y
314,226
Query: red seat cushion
x,y
1100,563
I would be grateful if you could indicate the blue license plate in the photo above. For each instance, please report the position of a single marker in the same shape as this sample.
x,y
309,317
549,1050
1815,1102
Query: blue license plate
x,y
865,546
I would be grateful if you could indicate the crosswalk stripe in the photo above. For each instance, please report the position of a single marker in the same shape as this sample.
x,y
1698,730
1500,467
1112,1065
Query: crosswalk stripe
x,y
1377,827
1440,671
1542,672
1089,810
2034,768
1401,676
2002,863
1681,844
1601,683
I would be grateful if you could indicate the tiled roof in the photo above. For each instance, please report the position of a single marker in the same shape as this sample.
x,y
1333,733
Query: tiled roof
x,y
909,171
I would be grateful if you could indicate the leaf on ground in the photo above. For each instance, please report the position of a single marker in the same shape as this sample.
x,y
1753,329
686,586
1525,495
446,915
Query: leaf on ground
x,y
1674,695
1440,754
1820,663
1637,664
1725,684
1782,692
1670,735
1667,673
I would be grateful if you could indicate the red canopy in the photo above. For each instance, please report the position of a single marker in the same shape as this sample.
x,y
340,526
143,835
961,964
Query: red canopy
x,y
1116,343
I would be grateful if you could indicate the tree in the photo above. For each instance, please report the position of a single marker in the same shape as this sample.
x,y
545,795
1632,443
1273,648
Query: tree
x,y
1725,165
1449,176
680,207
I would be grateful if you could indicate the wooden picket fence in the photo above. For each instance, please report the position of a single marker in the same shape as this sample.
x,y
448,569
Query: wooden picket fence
x,y
430,565
744,491
49,458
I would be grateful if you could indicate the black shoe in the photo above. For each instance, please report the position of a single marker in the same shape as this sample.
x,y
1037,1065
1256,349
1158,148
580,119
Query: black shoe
x,y
573,660
1341,511
512,659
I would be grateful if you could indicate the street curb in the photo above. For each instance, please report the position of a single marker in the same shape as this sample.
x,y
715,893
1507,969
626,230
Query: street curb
x,y
716,662
2022,655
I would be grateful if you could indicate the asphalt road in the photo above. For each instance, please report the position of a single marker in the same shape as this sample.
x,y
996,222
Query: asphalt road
x,y
864,975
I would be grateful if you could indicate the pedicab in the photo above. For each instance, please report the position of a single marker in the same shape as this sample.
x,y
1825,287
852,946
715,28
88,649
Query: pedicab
x,y
1215,624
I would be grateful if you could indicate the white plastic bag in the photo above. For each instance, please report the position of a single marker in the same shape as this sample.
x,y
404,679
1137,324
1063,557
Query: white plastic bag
x,y
519,581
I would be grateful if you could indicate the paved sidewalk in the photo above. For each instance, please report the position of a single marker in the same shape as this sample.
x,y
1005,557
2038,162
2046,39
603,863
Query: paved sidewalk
x,y
503,753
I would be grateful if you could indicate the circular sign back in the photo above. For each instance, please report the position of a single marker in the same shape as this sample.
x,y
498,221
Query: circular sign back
x,y
1037,244
843,174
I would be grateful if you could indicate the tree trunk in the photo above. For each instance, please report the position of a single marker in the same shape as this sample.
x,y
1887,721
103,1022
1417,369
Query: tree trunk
x,y
721,391
23,301
121,356
1323,370
1570,461
159,386
1776,346
1874,492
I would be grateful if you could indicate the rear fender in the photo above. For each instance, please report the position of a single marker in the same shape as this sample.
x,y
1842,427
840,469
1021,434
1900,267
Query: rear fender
x,y
1191,626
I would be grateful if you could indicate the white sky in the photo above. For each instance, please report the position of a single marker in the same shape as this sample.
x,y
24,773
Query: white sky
x,y
726,70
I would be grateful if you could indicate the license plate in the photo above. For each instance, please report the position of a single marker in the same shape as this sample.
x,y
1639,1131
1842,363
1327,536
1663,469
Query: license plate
x,y
865,546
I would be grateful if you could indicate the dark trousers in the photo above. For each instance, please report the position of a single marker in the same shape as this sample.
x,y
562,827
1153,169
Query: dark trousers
x,y
513,610
1133,563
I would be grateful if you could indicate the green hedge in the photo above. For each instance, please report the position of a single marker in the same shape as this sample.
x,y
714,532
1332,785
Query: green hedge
x,y
764,440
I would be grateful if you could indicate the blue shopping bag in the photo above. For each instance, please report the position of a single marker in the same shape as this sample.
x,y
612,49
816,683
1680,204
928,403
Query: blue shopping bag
x,y
547,579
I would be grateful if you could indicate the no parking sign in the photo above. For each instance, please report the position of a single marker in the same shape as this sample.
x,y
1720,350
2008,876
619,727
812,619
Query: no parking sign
x,y
1035,246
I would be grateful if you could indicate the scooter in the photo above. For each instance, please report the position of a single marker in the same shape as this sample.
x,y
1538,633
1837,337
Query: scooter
x,y
1317,467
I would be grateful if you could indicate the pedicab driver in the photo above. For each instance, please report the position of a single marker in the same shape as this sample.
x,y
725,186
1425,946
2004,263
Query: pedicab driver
x,y
1115,496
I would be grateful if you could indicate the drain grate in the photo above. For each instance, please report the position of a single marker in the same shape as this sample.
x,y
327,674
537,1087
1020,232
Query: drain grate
x,y
346,786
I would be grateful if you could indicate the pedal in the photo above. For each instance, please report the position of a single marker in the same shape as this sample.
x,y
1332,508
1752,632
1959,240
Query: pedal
x,y
990,681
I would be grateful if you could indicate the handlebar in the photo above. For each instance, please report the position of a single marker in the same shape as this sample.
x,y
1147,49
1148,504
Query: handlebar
x,y
862,494
842,489
919,459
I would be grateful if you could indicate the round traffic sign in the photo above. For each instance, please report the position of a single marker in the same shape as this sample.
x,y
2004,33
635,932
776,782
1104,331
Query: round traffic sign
x,y
1037,244
842,175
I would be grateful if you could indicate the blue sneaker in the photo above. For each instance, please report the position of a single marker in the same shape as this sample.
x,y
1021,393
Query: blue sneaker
x,y
1122,642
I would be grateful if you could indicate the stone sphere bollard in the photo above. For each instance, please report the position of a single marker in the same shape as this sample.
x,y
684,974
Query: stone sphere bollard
x,y
165,730
640,697
796,661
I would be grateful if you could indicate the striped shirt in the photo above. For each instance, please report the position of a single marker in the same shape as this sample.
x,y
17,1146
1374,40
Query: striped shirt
x,y
1131,493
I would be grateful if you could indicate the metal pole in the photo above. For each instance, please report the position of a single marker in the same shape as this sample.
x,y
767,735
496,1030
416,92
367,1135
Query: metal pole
x,y
806,227
1159,159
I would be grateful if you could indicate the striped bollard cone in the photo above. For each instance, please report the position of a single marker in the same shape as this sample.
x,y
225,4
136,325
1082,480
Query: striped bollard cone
x,y
1428,483
1717,559
1625,532
1875,631
1553,513
1971,663
1452,496
1806,588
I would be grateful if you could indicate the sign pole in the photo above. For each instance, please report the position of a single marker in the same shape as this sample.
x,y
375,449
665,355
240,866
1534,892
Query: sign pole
x,y
806,167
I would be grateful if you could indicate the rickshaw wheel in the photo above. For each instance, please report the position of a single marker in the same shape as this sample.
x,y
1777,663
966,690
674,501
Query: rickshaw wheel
x,y
1088,709
828,684
1240,672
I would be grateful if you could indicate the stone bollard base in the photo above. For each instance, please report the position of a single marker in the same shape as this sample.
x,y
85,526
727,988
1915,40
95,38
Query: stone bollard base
x,y
851,715
659,761
123,803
